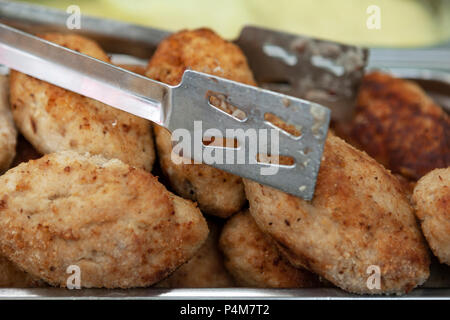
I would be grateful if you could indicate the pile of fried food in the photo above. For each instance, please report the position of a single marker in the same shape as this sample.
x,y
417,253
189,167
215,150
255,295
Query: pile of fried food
x,y
77,189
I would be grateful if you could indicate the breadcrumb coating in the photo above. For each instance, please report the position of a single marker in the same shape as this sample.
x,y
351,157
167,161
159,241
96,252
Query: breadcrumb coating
x,y
253,258
54,119
360,216
117,223
431,198
217,192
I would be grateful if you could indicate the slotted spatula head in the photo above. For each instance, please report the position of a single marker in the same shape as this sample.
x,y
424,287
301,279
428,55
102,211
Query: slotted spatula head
x,y
262,118
322,71
258,112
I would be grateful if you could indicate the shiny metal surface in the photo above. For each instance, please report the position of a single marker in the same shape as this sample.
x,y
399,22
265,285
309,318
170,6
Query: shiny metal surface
x,y
189,105
434,58
325,72
183,106
117,37
212,294
280,61
90,77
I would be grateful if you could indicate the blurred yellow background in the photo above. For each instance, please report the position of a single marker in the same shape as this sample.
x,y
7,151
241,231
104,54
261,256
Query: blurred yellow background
x,y
403,22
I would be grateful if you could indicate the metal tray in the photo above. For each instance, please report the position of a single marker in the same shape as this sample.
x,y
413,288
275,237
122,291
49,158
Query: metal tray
x,y
432,292
212,294
136,51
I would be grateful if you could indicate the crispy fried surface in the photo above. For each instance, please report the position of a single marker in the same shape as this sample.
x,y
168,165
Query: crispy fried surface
x,y
358,217
54,119
217,192
253,259
13,277
400,126
205,270
117,223
201,50
8,132
431,198
77,43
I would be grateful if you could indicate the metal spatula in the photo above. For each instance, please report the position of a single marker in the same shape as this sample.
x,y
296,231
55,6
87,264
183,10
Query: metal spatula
x,y
179,107
325,72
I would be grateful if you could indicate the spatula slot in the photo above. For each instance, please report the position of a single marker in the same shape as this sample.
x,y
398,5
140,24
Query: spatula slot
x,y
290,129
276,160
220,102
280,53
220,142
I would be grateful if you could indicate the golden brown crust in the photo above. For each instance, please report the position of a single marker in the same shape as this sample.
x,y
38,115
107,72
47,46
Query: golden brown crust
x,y
54,119
359,217
201,50
8,132
217,192
77,43
431,198
400,126
117,223
253,259
205,270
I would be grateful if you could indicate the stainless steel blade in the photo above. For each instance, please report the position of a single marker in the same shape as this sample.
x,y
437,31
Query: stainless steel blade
x,y
181,106
322,71
90,77
326,72
265,295
287,63
190,104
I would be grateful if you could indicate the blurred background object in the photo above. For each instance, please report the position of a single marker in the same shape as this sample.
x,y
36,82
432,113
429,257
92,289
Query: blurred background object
x,y
403,22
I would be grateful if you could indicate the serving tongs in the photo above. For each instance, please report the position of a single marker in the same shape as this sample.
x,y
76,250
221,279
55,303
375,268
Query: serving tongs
x,y
324,72
187,104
